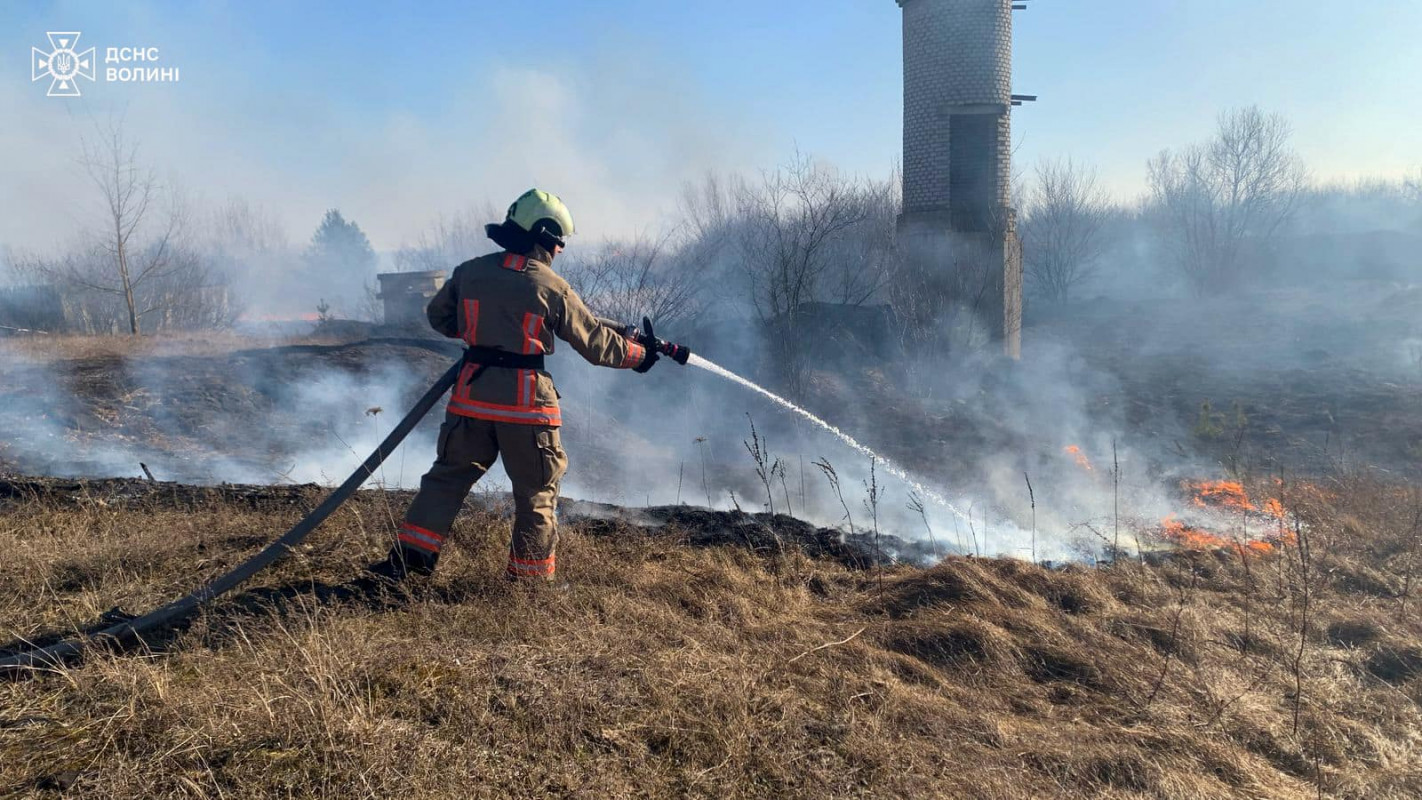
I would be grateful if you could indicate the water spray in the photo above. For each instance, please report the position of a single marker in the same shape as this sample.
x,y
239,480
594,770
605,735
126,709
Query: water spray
x,y
889,466
681,354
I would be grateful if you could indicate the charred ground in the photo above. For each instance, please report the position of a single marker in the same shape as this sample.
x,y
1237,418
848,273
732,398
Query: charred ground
x,y
1284,382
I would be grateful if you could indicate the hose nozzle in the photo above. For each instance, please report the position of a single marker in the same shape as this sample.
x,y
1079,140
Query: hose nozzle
x,y
679,353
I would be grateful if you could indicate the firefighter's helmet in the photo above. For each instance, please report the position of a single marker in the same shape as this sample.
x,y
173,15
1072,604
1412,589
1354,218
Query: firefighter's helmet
x,y
543,216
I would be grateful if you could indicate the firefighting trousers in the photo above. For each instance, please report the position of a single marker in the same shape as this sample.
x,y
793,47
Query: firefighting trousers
x,y
534,460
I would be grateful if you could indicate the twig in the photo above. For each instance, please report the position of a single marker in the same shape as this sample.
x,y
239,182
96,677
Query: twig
x,y
1033,498
916,504
833,477
871,488
780,468
765,467
846,640
974,531
701,446
1116,504
147,471
1305,554
1174,637
803,505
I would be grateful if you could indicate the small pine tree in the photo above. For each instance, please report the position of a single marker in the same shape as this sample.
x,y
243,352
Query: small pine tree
x,y
339,255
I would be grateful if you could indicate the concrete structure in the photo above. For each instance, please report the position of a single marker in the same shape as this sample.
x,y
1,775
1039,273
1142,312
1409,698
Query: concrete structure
x,y
405,295
957,163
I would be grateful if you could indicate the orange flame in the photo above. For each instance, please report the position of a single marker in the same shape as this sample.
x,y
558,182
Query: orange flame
x,y
1188,537
1192,538
1227,494
1081,459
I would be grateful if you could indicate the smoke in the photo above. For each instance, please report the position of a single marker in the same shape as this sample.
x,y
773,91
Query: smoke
x,y
259,416
1117,399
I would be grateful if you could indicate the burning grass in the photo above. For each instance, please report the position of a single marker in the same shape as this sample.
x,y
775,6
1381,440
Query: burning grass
x,y
1256,529
715,671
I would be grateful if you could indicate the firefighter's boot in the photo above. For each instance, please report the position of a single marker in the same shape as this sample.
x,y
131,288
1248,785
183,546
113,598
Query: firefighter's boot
x,y
401,562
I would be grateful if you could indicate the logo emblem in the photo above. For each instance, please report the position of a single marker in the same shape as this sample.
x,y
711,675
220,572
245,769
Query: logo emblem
x,y
62,64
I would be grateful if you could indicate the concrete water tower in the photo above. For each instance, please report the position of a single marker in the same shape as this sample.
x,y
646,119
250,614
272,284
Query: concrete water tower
x,y
957,162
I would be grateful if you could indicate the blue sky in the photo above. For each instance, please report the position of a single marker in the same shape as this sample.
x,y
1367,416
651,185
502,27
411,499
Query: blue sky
x,y
397,116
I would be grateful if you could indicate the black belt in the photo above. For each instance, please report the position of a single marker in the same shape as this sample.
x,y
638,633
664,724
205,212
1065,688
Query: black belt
x,y
490,357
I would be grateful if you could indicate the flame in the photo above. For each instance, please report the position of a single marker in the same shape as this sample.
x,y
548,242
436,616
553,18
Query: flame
x,y
1217,496
1227,494
1081,459
1231,494
1188,537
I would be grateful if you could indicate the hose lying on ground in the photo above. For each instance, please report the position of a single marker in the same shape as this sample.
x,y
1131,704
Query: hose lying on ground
x,y
54,655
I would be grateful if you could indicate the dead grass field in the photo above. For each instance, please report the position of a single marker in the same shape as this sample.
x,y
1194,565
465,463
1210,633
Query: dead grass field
x,y
672,670
66,347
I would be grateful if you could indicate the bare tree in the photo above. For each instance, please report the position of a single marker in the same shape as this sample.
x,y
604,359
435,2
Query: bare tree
x,y
448,242
861,259
707,207
132,267
241,231
131,196
707,241
786,228
1063,226
248,244
1213,198
643,276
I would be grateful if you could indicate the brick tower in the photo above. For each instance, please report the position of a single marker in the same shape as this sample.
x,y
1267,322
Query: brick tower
x,y
957,163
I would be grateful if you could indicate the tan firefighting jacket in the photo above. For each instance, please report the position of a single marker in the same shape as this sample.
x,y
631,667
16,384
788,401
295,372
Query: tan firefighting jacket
x,y
518,304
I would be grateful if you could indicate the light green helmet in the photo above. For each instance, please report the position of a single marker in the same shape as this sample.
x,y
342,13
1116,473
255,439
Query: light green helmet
x,y
542,214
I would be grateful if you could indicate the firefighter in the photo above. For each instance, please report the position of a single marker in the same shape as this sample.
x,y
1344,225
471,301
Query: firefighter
x,y
507,307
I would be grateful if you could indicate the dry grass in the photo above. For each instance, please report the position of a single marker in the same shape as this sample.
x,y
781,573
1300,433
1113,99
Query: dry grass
x,y
670,670
65,347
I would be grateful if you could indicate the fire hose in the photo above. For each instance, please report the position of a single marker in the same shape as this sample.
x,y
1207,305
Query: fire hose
x,y
55,654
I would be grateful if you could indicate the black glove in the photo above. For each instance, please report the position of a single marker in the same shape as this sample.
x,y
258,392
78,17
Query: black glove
x,y
646,365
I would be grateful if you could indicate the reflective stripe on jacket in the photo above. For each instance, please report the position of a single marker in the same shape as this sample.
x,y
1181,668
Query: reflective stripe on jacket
x,y
519,304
